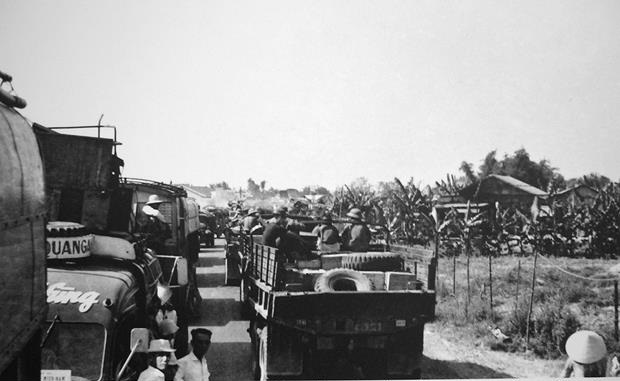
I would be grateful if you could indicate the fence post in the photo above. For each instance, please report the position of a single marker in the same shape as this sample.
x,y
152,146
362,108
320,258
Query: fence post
x,y
468,283
491,285
454,274
529,312
518,281
616,310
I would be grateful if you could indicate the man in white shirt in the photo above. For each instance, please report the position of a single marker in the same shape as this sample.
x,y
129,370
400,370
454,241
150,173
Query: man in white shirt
x,y
193,367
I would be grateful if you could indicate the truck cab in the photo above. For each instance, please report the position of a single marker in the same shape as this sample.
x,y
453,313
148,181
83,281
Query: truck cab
x,y
94,303
181,246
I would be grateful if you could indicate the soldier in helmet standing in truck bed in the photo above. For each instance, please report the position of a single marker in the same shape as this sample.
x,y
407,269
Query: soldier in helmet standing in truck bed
x,y
356,235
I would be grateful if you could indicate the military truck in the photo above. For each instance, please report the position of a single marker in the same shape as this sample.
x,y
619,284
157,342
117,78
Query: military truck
x,y
100,287
22,243
103,280
346,315
183,243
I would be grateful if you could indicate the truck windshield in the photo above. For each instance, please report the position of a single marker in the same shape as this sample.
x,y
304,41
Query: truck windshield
x,y
78,347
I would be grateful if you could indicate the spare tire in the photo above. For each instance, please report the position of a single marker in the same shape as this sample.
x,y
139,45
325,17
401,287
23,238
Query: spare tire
x,y
342,280
373,261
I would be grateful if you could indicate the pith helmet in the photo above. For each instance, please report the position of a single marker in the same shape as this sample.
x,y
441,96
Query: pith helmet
x,y
160,345
585,347
155,199
252,212
355,214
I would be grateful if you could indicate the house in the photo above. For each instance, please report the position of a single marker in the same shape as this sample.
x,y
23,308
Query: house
x,y
578,195
506,190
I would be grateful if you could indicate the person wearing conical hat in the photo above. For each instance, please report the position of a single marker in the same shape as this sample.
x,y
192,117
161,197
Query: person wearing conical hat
x,y
356,235
159,354
587,355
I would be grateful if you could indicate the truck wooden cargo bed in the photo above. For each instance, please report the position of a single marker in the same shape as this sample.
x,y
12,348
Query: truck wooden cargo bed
x,y
299,328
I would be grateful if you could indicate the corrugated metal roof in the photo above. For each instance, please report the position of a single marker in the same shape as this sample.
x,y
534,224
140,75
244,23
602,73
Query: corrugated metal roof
x,y
575,188
520,185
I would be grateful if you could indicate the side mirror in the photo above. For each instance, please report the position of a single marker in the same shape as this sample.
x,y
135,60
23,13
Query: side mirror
x,y
139,339
182,271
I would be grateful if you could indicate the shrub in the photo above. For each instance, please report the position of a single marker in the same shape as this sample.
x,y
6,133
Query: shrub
x,y
551,325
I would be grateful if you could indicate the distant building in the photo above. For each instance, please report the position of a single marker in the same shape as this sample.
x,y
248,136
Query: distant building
x,y
192,192
577,196
289,194
506,190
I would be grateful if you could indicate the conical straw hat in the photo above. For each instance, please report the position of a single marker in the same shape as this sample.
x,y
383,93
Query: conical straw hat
x,y
585,347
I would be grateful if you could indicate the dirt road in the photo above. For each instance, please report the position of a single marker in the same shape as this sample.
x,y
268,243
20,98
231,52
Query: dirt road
x,y
230,355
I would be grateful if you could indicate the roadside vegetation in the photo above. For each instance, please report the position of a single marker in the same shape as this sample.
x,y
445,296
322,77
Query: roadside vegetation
x,y
562,303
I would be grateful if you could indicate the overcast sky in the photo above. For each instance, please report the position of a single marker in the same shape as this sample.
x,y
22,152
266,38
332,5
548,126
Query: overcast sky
x,y
322,92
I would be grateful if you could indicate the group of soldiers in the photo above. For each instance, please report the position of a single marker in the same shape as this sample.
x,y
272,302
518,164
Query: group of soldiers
x,y
283,232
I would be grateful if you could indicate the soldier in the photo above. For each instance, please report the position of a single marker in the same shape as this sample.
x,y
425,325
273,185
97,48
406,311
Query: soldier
x,y
280,217
251,221
328,238
356,235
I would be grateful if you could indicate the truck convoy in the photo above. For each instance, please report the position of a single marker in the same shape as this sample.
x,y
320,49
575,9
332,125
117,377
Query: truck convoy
x,y
22,243
344,316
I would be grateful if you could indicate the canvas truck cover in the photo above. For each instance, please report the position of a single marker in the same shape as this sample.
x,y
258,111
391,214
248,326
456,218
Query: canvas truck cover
x,y
22,234
78,162
81,175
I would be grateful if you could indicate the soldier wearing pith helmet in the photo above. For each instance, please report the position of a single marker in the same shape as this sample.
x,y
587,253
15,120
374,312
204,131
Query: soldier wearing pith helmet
x,y
356,235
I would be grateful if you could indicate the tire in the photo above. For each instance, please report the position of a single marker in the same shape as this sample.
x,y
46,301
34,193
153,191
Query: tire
x,y
342,280
373,262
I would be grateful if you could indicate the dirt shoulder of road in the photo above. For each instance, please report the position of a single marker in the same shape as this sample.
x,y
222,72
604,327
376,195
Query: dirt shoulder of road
x,y
448,355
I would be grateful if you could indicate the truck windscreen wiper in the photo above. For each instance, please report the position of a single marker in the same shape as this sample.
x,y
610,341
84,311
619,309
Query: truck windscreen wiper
x,y
50,329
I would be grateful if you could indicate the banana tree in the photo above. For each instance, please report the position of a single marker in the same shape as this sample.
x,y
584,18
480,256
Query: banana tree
x,y
418,215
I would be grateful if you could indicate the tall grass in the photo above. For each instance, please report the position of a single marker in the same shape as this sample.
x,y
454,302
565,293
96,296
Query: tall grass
x,y
562,304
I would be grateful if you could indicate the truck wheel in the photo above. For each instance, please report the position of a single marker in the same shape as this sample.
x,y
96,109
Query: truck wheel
x,y
342,280
373,262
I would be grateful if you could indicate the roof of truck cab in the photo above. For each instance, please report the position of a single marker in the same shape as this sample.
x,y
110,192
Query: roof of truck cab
x,y
154,187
